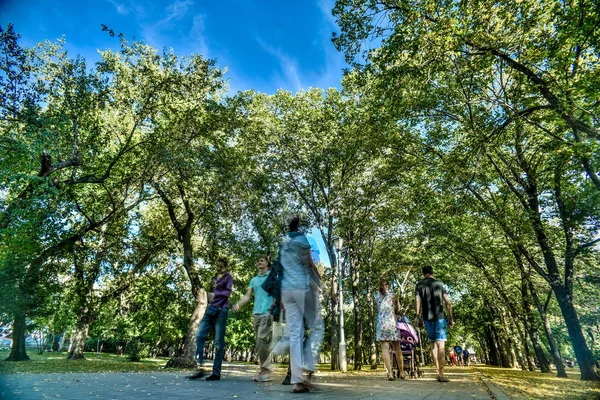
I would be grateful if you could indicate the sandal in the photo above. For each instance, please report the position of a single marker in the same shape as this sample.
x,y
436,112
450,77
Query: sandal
x,y
390,377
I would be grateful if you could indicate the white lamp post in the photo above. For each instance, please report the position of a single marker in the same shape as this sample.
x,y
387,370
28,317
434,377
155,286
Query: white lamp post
x,y
338,242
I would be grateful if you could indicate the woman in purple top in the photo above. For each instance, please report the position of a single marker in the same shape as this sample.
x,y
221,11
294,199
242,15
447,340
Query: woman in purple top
x,y
215,319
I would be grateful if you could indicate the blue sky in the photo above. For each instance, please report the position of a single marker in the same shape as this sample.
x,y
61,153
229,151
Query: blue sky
x,y
266,45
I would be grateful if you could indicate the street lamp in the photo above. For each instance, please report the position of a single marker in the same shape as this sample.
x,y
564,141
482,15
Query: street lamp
x,y
338,242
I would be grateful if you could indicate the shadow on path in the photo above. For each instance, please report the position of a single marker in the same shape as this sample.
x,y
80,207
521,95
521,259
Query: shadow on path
x,y
235,384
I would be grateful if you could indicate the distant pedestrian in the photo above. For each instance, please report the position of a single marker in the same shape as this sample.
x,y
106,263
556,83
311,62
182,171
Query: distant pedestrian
x,y
452,357
459,356
215,320
300,289
431,296
262,320
387,333
466,357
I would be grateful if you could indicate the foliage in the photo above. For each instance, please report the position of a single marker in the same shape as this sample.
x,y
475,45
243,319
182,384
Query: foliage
x,y
465,137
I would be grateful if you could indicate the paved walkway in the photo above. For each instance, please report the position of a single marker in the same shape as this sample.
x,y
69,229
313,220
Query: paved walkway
x,y
236,384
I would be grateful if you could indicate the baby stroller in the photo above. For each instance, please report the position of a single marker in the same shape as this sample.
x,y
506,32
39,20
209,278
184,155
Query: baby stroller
x,y
408,344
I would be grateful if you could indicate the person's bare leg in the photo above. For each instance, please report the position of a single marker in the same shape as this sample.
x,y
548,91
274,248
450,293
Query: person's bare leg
x,y
441,349
399,358
434,353
385,353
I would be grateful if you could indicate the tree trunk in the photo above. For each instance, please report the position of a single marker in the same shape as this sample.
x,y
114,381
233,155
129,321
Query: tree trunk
x,y
484,351
79,338
554,351
537,348
535,340
528,357
186,358
355,275
564,297
335,307
504,349
561,289
516,355
506,340
585,359
371,314
17,350
494,353
531,328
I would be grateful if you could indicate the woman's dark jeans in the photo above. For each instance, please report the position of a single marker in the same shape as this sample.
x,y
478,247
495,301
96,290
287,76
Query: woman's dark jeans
x,y
215,319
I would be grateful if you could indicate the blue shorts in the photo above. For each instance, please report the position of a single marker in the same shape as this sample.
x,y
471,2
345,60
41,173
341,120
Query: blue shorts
x,y
436,329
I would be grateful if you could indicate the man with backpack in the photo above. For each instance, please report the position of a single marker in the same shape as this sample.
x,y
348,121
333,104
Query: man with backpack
x,y
262,320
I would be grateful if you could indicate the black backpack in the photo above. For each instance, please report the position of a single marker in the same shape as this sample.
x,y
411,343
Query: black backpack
x,y
272,285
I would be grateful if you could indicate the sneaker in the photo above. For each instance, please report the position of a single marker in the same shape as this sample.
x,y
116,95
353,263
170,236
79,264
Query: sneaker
x,y
197,375
213,377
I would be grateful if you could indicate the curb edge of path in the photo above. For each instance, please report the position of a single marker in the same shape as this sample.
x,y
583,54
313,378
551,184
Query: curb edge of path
x,y
496,393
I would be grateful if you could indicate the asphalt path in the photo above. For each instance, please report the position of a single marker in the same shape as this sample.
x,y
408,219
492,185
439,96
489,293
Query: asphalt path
x,y
236,383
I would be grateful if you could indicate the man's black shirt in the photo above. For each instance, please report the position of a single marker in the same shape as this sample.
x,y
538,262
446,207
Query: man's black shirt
x,y
431,292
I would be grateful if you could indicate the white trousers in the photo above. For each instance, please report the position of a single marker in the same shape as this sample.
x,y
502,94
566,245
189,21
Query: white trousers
x,y
303,307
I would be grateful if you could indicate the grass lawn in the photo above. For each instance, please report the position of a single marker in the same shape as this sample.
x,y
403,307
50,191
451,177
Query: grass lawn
x,y
519,384
57,362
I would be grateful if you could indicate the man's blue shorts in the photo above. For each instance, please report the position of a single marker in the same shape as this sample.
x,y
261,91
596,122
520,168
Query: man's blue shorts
x,y
436,329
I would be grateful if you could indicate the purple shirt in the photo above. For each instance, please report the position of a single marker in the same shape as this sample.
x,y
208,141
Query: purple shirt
x,y
222,291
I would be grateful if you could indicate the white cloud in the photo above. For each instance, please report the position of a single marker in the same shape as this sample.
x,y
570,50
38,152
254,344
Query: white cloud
x,y
289,66
331,74
197,36
176,11
121,8
155,32
326,6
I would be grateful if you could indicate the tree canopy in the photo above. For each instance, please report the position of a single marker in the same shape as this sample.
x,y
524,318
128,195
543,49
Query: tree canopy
x,y
465,136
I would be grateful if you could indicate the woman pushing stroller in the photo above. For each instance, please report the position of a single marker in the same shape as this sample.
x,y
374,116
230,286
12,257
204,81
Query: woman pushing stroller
x,y
387,332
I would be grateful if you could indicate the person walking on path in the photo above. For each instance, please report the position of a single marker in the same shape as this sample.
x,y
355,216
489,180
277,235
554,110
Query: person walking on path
x,y
300,288
215,319
459,354
466,355
452,357
387,333
262,318
430,296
